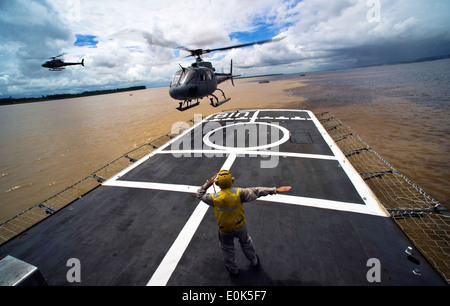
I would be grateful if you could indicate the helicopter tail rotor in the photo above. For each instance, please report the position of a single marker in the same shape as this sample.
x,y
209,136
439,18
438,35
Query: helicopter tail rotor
x,y
222,77
231,72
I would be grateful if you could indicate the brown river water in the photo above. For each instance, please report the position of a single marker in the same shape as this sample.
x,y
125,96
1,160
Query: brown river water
x,y
402,111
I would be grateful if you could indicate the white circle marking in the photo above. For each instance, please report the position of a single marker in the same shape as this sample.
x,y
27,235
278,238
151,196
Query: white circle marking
x,y
219,147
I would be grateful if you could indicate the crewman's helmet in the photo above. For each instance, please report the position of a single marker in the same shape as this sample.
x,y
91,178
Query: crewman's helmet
x,y
224,179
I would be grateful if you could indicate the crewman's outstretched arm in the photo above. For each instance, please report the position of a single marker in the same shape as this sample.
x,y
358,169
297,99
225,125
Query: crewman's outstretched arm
x,y
251,194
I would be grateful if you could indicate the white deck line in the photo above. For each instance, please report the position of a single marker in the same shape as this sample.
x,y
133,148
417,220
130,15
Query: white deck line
x,y
286,135
143,159
169,263
361,187
278,198
247,152
153,186
255,116
322,204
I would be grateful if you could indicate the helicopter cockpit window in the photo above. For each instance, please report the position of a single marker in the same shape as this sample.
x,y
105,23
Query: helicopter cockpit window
x,y
202,76
189,76
176,78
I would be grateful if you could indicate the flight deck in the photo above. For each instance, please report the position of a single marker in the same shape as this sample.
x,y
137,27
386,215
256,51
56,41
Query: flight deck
x,y
145,225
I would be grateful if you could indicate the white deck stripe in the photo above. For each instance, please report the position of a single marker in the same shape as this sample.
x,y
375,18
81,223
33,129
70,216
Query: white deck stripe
x,y
361,187
154,186
165,269
246,152
255,116
278,198
321,203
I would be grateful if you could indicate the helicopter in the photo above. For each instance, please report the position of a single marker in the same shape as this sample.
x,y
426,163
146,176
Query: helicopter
x,y
57,64
200,79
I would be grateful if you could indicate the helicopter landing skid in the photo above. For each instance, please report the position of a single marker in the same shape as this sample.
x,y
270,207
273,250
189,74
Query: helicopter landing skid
x,y
188,104
217,99
219,102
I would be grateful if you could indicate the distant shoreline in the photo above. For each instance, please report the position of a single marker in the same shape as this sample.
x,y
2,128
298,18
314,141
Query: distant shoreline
x,y
11,101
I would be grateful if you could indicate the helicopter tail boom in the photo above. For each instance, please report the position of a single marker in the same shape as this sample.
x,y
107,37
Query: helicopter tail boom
x,y
221,77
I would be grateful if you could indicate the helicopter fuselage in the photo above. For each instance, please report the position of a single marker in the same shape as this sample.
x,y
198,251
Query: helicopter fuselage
x,y
57,63
195,82
200,80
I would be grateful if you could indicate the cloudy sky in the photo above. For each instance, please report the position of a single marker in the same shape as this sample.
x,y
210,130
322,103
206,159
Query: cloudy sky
x,y
128,43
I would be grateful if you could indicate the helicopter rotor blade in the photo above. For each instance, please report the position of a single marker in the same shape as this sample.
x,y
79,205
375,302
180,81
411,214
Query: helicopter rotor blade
x,y
199,52
194,52
158,40
64,53
245,45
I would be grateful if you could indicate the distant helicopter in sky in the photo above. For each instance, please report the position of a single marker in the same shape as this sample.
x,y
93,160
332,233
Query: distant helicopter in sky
x,y
57,64
200,79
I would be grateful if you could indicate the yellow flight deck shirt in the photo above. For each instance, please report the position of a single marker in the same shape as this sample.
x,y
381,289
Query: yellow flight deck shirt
x,y
228,209
228,203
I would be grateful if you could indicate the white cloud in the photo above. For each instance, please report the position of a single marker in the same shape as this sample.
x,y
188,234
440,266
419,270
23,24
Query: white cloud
x,y
338,34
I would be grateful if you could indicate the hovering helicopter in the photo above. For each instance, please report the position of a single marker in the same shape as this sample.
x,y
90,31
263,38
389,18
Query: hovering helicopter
x,y
57,64
200,79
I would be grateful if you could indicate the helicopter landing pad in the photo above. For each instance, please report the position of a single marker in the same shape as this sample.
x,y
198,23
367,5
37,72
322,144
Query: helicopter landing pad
x,y
145,225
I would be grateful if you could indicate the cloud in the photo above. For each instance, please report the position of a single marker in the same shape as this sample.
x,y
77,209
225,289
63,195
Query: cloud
x,y
127,43
33,26
339,34
23,44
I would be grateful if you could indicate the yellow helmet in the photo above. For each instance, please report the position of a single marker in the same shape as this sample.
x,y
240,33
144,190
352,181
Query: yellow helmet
x,y
224,179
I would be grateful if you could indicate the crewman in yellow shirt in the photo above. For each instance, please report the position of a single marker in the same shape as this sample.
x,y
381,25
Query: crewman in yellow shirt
x,y
229,211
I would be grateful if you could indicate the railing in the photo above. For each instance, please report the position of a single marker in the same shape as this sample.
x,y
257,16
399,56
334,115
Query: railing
x,y
423,219
16,225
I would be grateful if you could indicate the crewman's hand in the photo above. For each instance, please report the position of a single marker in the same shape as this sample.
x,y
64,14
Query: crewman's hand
x,y
212,179
283,189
